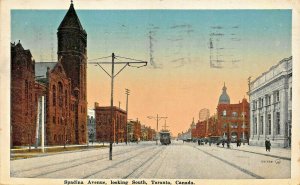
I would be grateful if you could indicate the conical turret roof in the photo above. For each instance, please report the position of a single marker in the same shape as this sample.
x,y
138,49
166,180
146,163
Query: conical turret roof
x,y
71,20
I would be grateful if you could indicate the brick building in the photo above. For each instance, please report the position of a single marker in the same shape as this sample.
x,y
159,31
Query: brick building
x,y
151,134
60,116
134,131
233,119
72,51
23,96
147,133
63,83
107,130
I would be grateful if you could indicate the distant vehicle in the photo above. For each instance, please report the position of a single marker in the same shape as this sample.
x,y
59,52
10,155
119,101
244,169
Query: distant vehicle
x,y
165,138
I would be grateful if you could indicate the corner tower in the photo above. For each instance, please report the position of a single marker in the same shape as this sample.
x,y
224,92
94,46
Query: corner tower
x,y
224,98
72,43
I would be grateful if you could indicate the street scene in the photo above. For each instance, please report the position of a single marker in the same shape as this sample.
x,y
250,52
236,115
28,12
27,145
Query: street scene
x,y
151,94
147,160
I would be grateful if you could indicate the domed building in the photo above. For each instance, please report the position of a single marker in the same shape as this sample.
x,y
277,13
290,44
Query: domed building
x,y
233,119
224,98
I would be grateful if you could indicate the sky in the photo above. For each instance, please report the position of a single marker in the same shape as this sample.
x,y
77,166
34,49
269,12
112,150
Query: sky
x,y
190,54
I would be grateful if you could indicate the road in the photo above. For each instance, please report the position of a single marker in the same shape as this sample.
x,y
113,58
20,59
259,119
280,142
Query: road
x,y
147,160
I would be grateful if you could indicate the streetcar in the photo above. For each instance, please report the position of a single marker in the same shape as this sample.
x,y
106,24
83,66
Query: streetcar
x,y
165,138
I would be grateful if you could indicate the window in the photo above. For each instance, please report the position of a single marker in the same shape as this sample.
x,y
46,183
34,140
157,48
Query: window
x,y
66,98
253,105
290,115
278,122
234,114
60,90
54,95
276,96
261,122
26,88
268,100
255,125
261,102
224,112
234,125
269,124
53,120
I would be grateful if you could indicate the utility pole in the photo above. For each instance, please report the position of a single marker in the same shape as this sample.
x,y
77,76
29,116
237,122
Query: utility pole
x,y
243,124
165,125
112,76
157,119
127,92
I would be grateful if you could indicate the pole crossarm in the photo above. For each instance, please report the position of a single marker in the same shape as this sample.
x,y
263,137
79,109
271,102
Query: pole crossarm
x,y
121,70
103,69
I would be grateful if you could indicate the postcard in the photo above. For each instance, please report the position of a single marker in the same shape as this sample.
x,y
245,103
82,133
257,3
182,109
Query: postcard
x,y
149,92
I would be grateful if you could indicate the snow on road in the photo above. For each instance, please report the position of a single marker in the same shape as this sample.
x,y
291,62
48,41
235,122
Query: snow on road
x,y
147,160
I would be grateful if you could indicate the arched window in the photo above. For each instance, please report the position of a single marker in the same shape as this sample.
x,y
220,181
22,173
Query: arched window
x,y
26,88
66,97
60,94
54,94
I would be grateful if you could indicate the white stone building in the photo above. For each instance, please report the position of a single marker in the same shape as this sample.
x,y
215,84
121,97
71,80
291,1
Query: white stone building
x,y
271,106
91,125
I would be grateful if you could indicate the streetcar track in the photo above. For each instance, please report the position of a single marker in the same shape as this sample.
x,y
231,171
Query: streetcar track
x,y
231,164
145,162
59,163
159,166
120,162
75,165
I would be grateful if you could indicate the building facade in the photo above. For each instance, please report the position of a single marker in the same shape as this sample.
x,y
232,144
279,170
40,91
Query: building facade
x,y
271,105
72,51
233,119
63,83
60,114
23,96
107,130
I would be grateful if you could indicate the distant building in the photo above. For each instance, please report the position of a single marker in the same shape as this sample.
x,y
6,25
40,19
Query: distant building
x,y
107,130
271,105
233,119
203,114
91,125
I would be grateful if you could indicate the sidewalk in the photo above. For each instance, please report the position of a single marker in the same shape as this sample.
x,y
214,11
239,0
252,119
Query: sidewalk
x,y
282,153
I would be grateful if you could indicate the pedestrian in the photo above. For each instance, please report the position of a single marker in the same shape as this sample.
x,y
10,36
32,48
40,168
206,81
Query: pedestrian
x,y
228,143
198,141
268,145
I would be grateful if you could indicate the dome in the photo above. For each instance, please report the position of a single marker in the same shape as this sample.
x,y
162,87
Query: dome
x,y
224,98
